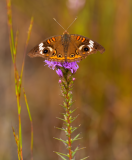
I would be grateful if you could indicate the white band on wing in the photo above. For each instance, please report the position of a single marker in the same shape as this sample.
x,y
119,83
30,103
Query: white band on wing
x,y
41,48
91,45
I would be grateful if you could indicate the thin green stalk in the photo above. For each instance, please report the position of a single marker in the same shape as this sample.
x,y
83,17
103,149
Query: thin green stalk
x,y
18,79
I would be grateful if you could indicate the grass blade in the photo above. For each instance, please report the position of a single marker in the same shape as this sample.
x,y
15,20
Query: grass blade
x,y
29,114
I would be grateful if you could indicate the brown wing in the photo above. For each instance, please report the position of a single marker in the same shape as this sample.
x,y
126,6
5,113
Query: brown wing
x,y
70,48
80,47
50,49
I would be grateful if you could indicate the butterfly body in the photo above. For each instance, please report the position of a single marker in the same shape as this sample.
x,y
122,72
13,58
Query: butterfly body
x,y
65,42
66,48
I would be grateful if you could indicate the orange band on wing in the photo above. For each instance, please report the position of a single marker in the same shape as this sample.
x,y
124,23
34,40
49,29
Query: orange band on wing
x,y
58,58
71,58
53,39
78,37
83,39
48,41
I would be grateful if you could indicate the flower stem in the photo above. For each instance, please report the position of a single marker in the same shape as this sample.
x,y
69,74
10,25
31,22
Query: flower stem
x,y
68,122
66,87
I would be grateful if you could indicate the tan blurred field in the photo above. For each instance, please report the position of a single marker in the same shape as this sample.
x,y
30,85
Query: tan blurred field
x,y
103,86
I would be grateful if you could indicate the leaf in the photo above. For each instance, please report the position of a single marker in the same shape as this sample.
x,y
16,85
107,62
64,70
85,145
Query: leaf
x,y
60,128
65,142
74,152
73,119
73,129
61,119
75,138
60,154
29,30
29,114
84,158
73,111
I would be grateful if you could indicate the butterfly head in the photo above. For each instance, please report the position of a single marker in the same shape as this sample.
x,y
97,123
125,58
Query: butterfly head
x,y
65,32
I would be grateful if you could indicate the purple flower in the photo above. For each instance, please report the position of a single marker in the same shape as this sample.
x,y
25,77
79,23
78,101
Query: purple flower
x,y
72,66
59,72
73,79
52,64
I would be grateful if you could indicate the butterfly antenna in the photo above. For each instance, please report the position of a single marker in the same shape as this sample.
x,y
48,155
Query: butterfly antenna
x,y
58,23
71,23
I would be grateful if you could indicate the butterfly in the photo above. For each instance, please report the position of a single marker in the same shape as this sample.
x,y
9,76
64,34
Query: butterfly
x,y
66,48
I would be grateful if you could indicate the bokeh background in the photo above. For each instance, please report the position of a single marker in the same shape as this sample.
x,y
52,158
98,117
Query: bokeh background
x,y
103,86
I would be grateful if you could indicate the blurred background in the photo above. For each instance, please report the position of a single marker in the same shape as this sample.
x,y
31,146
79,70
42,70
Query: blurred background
x,y
102,89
